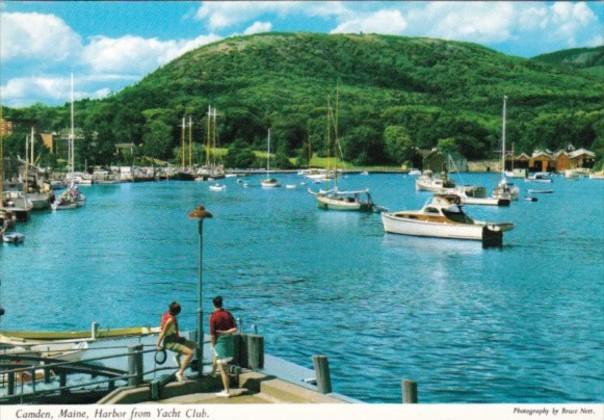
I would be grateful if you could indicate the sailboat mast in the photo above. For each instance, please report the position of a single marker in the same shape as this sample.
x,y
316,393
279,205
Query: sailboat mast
x,y
1,159
182,142
268,153
214,135
505,98
72,134
208,139
336,143
190,141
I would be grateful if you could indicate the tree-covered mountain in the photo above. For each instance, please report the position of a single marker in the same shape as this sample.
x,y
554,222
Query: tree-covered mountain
x,y
395,94
587,60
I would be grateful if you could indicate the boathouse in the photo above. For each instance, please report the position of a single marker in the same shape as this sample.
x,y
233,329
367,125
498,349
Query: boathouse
x,y
581,158
542,161
561,160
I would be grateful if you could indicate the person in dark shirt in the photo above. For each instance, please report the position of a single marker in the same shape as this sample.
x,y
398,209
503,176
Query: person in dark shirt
x,y
222,328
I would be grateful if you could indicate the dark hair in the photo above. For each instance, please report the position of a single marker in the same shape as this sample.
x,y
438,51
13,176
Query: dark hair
x,y
217,301
174,308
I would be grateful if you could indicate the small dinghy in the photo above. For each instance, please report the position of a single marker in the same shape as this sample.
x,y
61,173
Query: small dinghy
x,y
291,186
217,187
540,191
13,238
531,199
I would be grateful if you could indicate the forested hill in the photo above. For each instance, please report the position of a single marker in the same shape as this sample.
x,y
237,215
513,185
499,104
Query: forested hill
x,y
587,60
396,93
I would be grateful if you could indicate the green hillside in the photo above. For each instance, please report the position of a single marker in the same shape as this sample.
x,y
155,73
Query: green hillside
x,y
578,57
586,60
396,93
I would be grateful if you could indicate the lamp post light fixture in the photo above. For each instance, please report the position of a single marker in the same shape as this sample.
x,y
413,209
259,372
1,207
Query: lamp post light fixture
x,y
200,213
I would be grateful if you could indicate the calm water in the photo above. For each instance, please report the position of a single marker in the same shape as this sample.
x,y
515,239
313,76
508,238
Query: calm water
x,y
522,323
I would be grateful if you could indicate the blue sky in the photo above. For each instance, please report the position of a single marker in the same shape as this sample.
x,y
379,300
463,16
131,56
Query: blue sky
x,y
109,45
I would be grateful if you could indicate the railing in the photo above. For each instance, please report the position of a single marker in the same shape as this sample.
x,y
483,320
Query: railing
x,y
12,373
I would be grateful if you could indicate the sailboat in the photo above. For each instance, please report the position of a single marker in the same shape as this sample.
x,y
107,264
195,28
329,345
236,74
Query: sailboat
x,y
269,182
334,199
505,190
72,197
515,172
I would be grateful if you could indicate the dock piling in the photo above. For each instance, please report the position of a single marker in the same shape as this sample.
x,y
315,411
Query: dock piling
x,y
94,329
321,364
135,365
255,351
11,383
62,382
409,389
47,378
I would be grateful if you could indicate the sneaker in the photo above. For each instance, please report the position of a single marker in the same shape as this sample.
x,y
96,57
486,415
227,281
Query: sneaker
x,y
223,394
179,377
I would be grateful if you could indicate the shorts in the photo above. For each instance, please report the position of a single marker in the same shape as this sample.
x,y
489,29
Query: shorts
x,y
224,349
178,344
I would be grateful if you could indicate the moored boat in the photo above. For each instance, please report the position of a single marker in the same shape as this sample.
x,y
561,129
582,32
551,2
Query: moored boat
x,y
475,195
71,198
334,199
428,182
443,217
543,177
217,187
12,237
269,182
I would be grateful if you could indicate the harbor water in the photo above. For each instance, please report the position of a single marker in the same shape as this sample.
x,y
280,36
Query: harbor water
x,y
521,323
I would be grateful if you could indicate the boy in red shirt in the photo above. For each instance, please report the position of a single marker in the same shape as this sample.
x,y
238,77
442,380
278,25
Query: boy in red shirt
x,y
222,328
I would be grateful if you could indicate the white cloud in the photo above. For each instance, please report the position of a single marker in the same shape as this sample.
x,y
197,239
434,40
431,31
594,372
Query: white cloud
x,y
136,54
383,22
222,15
258,27
596,41
22,89
39,36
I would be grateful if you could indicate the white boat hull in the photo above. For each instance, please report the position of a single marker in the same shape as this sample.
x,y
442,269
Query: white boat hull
x,y
486,201
489,234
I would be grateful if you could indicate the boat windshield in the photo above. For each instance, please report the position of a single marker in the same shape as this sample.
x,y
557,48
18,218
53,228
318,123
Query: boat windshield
x,y
456,214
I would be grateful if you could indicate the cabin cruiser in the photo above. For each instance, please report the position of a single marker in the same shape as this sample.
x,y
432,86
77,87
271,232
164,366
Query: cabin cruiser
x,y
506,190
476,195
270,183
443,217
71,198
18,204
335,199
544,177
427,182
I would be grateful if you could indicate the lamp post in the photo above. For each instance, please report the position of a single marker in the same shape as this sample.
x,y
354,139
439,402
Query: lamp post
x,y
200,213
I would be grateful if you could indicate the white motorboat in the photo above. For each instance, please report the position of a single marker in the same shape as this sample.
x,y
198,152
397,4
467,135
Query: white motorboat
x,y
572,174
71,198
319,175
217,187
516,173
542,177
427,182
443,217
13,237
475,195
335,199
364,173
597,175
290,186
415,172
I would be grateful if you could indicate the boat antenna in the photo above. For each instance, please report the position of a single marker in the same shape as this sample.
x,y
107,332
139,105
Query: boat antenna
x,y
505,98
208,140
268,154
71,146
